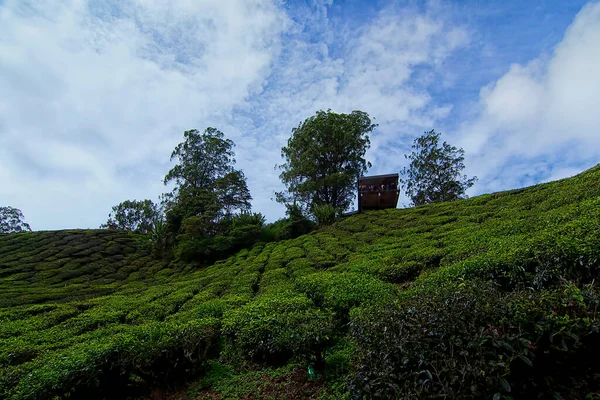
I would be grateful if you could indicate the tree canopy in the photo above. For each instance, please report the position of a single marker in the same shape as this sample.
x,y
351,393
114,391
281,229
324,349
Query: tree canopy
x,y
323,158
12,220
138,216
202,158
434,173
207,184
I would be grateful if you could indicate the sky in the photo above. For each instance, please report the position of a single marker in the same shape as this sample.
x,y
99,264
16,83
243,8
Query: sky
x,y
94,95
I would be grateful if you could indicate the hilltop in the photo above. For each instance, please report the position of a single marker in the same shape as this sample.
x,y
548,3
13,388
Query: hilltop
x,y
488,296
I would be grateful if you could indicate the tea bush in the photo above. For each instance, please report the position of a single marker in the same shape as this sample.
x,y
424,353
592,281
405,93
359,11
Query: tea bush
x,y
157,354
468,299
273,328
342,291
473,341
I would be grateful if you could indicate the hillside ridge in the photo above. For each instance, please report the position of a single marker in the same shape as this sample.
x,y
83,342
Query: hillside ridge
x,y
373,303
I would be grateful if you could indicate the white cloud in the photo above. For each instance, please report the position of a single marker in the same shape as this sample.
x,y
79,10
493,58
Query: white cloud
x,y
93,92
371,69
541,119
97,94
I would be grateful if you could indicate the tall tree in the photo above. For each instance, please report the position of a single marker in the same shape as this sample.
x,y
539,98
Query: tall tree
x,y
323,158
202,159
138,216
207,184
232,192
12,220
434,173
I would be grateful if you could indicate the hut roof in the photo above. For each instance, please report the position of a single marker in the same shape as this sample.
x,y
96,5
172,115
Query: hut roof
x,y
379,176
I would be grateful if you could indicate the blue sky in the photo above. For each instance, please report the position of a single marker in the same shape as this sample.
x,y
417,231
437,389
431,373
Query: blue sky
x,y
94,95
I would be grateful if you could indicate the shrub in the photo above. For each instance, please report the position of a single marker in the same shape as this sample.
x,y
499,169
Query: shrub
x,y
397,273
103,367
473,341
275,327
232,234
325,214
342,291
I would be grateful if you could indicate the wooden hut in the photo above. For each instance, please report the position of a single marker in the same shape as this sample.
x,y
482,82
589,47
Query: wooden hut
x,y
378,192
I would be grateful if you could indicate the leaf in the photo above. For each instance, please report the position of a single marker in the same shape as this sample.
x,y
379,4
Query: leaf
x,y
505,385
526,360
426,373
557,396
497,396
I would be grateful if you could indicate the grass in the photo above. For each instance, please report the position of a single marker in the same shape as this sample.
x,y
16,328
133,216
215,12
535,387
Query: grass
x,y
89,314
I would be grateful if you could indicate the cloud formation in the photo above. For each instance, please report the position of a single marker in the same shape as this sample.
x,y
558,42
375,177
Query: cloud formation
x,y
539,121
95,95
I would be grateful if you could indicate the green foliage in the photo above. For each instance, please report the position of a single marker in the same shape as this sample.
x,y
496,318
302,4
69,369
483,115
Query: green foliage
x,y
323,158
342,291
299,224
325,214
207,184
296,224
155,354
229,235
137,216
11,220
435,295
158,236
275,327
472,341
434,173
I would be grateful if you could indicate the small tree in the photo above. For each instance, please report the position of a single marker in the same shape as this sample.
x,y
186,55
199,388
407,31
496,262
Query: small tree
x,y
434,173
323,158
11,220
138,216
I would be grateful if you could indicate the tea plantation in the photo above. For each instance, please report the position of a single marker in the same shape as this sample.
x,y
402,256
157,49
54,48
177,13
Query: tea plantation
x,y
489,297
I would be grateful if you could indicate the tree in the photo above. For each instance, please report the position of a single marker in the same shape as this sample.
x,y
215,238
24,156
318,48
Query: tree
x,y
207,184
232,192
202,159
323,159
138,216
434,173
11,220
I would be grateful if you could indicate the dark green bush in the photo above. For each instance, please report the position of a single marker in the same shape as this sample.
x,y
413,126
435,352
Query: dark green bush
x,y
473,341
397,273
230,235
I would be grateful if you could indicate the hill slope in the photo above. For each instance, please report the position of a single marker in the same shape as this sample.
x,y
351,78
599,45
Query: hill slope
x,y
486,296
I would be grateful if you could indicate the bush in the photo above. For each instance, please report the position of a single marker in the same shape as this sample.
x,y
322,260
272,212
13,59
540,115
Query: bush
x,y
473,341
275,327
233,234
325,214
397,273
342,291
296,224
157,354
